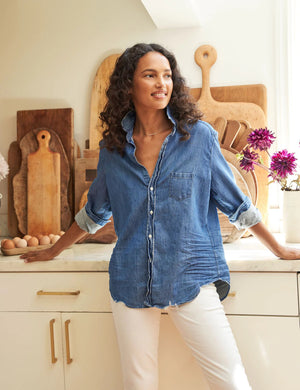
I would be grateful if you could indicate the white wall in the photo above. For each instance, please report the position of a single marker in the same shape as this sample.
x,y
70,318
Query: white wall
x,y
51,49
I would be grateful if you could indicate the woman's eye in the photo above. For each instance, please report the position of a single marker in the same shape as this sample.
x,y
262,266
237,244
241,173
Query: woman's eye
x,y
149,75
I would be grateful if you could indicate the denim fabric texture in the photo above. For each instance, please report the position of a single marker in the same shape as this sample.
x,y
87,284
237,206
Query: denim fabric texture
x,y
169,239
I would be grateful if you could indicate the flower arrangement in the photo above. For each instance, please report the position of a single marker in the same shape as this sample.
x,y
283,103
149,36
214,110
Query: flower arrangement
x,y
3,168
282,164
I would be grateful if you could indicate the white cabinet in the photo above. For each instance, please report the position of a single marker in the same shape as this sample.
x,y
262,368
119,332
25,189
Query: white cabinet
x,y
94,352
270,350
25,355
264,316
56,332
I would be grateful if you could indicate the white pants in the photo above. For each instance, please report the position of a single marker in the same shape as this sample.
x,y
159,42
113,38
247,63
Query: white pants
x,y
205,329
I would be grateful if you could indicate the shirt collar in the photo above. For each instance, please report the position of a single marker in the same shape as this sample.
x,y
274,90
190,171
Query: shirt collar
x,y
129,120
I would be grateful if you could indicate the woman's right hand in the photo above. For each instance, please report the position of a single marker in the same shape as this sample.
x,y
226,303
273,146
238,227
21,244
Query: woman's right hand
x,y
72,235
38,255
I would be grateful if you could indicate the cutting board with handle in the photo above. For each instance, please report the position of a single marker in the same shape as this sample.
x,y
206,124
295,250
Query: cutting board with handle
x,y
98,99
61,120
29,144
205,57
43,188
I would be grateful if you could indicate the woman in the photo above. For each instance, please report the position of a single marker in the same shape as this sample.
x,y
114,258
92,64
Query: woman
x,y
162,176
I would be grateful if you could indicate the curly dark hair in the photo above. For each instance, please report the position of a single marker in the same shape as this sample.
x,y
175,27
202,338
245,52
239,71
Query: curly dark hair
x,y
182,106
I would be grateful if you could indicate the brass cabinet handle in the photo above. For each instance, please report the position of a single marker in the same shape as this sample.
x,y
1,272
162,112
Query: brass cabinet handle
x,y
41,292
53,358
69,360
232,294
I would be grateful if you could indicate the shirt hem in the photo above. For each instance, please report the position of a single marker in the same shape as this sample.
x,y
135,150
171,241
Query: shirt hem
x,y
186,300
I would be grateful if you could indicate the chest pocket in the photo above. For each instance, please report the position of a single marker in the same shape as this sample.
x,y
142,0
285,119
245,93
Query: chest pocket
x,y
180,185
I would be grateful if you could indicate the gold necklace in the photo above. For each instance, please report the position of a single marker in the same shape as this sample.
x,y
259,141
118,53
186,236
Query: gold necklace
x,y
158,132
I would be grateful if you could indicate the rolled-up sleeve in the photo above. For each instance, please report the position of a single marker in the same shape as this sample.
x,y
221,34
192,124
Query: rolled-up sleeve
x,y
97,211
227,195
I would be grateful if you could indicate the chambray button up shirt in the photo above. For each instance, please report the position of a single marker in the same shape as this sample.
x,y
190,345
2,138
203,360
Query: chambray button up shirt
x,y
169,240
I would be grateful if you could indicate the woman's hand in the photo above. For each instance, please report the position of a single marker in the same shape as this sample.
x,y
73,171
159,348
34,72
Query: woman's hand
x,y
288,253
264,235
38,255
72,235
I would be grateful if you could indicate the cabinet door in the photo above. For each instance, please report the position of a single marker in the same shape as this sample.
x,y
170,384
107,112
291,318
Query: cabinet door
x,y
270,350
26,354
178,369
90,342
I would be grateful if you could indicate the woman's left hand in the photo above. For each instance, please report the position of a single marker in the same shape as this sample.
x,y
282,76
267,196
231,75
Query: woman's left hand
x,y
288,253
267,238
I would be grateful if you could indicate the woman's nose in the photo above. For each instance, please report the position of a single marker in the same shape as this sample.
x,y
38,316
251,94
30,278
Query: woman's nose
x,y
160,81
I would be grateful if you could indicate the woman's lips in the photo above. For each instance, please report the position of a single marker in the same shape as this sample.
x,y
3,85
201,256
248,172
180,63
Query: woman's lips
x,y
160,94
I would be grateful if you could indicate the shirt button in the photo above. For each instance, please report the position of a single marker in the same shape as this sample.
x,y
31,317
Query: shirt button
x,y
150,236
151,212
151,188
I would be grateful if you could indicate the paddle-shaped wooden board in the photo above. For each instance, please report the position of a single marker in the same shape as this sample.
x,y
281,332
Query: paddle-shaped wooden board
x,y
43,188
98,98
205,57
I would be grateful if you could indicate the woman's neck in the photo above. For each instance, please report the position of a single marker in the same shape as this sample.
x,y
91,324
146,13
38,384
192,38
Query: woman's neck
x,y
151,123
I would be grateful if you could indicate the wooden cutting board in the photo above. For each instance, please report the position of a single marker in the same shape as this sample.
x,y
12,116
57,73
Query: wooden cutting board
x,y
205,57
14,163
98,99
228,230
61,120
43,188
29,145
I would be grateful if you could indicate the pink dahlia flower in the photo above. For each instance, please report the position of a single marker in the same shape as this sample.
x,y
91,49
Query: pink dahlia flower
x,y
283,164
261,139
248,159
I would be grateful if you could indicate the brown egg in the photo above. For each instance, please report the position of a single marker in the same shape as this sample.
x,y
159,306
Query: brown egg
x,y
26,237
45,240
55,238
16,239
21,243
8,244
33,241
3,241
51,235
39,236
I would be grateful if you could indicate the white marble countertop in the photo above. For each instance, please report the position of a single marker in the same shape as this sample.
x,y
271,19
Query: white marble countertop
x,y
244,255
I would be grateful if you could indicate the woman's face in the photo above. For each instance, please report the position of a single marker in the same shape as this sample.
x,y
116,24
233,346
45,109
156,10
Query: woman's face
x,y
152,84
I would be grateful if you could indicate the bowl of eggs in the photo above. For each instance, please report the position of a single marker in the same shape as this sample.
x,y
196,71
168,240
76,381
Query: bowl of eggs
x,y
27,243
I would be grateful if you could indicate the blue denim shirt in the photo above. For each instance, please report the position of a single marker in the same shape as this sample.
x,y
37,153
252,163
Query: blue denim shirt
x,y
169,240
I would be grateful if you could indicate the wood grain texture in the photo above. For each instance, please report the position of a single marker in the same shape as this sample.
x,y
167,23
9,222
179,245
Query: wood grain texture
x,y
205,57
60,120
29,145
251,93
98,99
82,182
229,232
43,188
14,163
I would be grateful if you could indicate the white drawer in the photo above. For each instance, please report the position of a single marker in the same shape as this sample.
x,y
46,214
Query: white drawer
x,y
263,294
57,291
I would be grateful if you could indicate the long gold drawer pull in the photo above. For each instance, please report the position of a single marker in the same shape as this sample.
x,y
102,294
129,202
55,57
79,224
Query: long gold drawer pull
x,y
53,358
232,294
69,360
41,292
